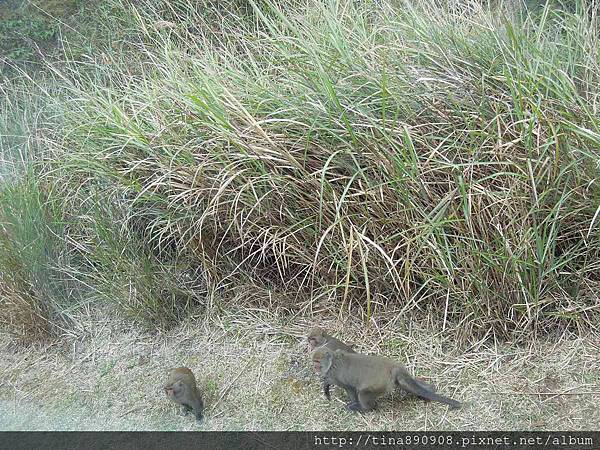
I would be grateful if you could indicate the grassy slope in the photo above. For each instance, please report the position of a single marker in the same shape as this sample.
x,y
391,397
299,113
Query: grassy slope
x,y
351,155
257,377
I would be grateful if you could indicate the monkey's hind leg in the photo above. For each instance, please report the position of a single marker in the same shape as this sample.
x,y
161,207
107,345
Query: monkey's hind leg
x,y
354,404
367,401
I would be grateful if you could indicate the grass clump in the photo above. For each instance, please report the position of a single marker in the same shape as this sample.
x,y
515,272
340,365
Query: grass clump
x,y
35,290
439,158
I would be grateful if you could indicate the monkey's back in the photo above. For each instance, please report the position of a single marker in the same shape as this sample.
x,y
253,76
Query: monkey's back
x,y
334,344
364,371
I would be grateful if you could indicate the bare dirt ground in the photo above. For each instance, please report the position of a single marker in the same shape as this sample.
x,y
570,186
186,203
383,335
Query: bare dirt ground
x,y
255,373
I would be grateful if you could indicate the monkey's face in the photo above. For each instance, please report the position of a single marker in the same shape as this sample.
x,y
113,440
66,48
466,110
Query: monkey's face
x,y
178,388
315,338
317,366
175,390
169,391
322,361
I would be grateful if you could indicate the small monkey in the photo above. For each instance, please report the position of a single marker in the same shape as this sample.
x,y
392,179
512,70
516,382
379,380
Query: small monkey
x,y
181,388
317,337
365,378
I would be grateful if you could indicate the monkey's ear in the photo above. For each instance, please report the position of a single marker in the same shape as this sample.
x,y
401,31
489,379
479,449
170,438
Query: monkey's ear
x,y
326,362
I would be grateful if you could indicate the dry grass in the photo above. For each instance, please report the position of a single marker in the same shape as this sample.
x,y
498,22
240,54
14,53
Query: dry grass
x,y
254,370
20,316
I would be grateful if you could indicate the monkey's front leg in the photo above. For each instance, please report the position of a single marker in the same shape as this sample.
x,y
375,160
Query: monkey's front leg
x,y
185,410
326,387
367,400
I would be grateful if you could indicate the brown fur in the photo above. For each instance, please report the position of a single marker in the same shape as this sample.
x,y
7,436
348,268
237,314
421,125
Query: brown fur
x,y
182,389
365,378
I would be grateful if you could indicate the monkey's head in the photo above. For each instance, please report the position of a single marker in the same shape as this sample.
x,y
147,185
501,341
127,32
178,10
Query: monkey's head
x,y
316,338
322,360
180,372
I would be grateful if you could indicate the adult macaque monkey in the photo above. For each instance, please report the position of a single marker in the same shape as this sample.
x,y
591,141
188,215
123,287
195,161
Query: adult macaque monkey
x,y
181,388
317,337
365,378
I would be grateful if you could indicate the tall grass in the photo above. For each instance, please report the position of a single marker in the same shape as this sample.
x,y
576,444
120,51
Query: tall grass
x,y
440,158
35,294
38,291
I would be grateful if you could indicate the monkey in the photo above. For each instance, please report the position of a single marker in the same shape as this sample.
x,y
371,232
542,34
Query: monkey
x,y
365,378
317,337
181,388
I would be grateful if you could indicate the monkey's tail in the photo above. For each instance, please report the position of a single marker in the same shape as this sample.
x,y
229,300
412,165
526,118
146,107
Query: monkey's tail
x,y
427,386
422,389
